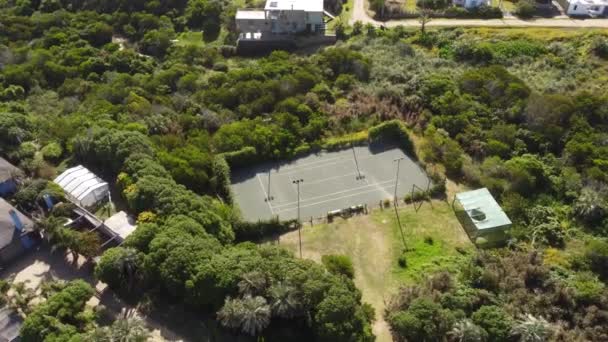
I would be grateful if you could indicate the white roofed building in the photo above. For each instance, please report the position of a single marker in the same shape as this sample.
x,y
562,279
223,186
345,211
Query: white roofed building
x,y
282,17
83,187
592,8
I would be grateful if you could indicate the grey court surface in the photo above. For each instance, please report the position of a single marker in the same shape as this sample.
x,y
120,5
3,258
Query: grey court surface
x,y
330,183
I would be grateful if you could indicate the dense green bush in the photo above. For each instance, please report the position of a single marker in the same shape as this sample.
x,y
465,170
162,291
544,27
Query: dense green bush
x,y
393,131
339,265
256,231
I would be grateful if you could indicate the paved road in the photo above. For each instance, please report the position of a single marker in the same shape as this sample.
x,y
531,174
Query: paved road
x,y
360,14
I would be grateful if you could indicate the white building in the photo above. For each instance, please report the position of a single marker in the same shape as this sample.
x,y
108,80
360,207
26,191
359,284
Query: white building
x,y
469,4
83,187
281,17
593,8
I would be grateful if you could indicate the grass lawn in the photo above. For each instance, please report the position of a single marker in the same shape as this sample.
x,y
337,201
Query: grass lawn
x,y
374,244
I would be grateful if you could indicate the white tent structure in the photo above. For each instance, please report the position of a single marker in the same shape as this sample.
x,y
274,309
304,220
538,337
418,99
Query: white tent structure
x,y
83,187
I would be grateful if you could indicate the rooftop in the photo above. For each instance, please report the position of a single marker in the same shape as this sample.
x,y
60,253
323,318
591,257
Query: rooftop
x,y
483,209
121,224
78,182
8,233
591,2
7,170
297,5
250,14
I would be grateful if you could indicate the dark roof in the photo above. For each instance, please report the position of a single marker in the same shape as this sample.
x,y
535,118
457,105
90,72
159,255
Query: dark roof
x,y
8,232
10,324
7,170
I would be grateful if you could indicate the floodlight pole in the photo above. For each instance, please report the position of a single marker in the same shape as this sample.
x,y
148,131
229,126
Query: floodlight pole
x,y
269,198
359,176
398,161
297,183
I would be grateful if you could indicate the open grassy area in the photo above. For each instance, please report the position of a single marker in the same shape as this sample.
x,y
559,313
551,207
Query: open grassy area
x,y
374,244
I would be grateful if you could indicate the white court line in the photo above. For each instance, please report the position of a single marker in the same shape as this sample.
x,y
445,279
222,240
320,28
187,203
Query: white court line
x,y
335,199
333,193
265,194
308,164
331,178
345,159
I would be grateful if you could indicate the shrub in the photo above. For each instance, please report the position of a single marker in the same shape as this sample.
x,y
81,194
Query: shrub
x,y
402,261
599,46
393,131
495,321
339,265
52,151
255,231
525,9
243,157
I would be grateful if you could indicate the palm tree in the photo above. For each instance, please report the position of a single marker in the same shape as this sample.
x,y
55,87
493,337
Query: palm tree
x,y
256,315
250,314
284,301
231,314
128,266
532,329
590,205
467,331
253,283
128,327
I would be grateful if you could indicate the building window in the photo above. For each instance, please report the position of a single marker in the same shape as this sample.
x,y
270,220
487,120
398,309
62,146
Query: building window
x,y
575,7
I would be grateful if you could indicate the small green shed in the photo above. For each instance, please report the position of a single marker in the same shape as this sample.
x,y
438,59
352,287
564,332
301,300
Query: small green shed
x,y
484,219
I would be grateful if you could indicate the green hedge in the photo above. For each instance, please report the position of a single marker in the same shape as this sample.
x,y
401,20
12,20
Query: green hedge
x,y
242,157
255,231
221,179
339,143
393,131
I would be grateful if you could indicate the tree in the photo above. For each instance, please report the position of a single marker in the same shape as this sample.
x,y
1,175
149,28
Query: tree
x,y
285,302
525,9
423,320
495,321
532,329
126,328
467,331
251,315
339,317
61,316
120,268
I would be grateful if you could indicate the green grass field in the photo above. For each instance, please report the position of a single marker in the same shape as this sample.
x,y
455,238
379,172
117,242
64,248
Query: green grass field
x,y
374,244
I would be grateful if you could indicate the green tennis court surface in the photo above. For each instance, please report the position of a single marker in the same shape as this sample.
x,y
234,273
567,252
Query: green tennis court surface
x,y
330,181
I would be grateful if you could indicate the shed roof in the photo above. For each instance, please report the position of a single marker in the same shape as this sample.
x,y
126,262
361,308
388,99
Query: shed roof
x,y
7,170
294,5
483,209
10,324
121,224
78,182
8,233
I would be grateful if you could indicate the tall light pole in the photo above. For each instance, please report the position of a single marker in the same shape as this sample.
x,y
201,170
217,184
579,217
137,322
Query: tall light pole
x,y
297,183
359,175
398,161
270,197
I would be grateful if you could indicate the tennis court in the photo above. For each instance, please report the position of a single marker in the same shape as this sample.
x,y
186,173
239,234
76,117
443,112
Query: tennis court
x,y
331,181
